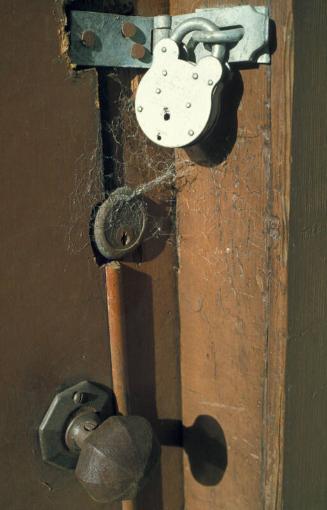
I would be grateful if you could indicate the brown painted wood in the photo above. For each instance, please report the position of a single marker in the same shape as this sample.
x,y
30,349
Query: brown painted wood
x,y
53,313
305,459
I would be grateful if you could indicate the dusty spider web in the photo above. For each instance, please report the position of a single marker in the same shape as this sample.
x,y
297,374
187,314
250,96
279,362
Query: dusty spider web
x,y
125,157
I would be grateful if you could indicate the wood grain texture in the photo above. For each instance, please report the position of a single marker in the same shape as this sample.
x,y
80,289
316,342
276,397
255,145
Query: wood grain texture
x,y
279,158
223,284
233,245
53,317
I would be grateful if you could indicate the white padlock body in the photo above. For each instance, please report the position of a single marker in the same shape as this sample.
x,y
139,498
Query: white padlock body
x,y
174,101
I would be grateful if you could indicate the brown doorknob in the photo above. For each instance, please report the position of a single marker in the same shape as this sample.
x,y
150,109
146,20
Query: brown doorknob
x,y
117,458
113,456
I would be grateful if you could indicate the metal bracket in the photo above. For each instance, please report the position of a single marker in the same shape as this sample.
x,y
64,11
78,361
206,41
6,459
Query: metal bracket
x,y
99,39
81,398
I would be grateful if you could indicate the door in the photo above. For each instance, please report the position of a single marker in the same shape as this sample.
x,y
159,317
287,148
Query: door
x,y
224,302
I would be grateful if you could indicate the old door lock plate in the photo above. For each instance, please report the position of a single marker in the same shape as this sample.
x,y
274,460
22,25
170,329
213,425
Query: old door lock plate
x,y
189,56
113,455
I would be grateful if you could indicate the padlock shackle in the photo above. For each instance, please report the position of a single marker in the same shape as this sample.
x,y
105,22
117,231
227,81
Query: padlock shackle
x,y
229,36
195,25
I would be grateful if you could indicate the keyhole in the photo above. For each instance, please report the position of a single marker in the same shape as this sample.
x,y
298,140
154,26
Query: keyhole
x,y
166,114
125,239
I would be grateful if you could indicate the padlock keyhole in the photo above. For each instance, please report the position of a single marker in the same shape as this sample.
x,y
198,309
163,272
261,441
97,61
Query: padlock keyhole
x,y
166,114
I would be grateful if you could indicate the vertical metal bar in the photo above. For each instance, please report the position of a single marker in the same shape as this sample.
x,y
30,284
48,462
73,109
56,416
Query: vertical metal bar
x,y
118,346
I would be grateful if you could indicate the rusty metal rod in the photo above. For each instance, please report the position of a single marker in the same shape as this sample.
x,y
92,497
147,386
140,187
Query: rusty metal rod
x,y
118,345
117,335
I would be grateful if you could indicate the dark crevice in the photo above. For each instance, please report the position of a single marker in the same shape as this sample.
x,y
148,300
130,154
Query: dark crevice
x,y
114,6
108,94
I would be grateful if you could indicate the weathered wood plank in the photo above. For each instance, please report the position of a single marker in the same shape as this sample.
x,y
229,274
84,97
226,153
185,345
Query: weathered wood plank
x,y
223,219
279,157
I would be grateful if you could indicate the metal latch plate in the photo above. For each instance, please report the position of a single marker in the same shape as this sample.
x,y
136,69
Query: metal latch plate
x,y
112,49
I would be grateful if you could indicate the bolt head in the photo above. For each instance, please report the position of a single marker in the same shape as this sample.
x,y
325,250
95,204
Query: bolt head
x,y
88,39
164,49
128,29
79,397
140,109
191,132
195,76
210,82
188,105
138,51
158,91
164,72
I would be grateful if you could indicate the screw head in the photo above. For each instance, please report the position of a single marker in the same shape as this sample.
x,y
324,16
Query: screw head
x,y
88,39
191,132
129,29
138,51
79,397
140,109
164,72
195,76
210,82
164,49
158,91
188,105
90,425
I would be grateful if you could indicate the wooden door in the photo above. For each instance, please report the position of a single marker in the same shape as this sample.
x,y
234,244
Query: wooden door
x,y
225,301
53,303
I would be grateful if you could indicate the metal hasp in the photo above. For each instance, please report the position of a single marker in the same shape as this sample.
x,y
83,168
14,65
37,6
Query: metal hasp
x,y
113,455
111,40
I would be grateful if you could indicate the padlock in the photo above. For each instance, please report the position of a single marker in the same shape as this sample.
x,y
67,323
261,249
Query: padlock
x,y
178,101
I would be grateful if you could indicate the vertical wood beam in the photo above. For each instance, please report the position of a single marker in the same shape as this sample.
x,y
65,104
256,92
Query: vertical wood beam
x,y
278,207
233,245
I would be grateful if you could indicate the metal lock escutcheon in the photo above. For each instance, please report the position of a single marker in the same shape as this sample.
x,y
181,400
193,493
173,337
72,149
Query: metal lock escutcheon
x,y
113,456
120,223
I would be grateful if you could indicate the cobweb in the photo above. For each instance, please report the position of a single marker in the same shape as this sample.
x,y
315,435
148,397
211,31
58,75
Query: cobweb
x,y
125,157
